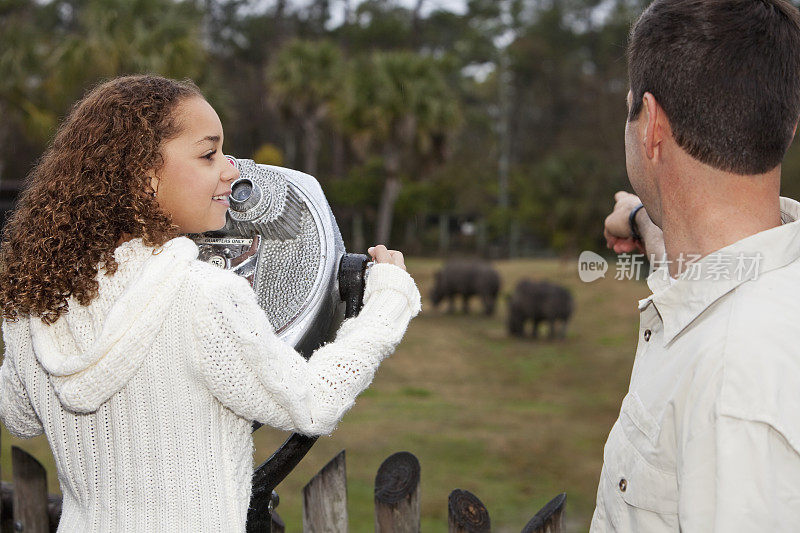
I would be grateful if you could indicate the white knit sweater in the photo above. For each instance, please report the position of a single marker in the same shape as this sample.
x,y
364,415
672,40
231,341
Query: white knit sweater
x,y
147,394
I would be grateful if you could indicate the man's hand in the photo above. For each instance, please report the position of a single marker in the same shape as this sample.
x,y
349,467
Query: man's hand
x,y
380,254
617,229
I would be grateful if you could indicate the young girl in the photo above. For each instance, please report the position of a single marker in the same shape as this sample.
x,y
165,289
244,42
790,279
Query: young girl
x,y
144,366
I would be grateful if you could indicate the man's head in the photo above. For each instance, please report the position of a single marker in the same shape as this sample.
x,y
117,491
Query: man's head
x,y
725,77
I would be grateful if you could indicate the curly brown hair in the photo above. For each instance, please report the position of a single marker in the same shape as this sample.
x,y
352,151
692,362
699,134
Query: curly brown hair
x,y
90,188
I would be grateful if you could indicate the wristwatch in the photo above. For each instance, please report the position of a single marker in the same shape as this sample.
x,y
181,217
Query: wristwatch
x,y
632,223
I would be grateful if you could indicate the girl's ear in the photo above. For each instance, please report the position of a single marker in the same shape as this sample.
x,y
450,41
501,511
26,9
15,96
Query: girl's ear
x,y
154,181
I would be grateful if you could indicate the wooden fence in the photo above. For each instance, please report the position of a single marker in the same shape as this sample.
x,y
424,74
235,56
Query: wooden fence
x,y
25,505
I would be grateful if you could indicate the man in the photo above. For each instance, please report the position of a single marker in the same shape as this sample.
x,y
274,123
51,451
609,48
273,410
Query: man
x,y
708,436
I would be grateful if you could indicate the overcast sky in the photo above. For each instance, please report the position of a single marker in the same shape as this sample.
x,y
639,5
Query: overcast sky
x,y
337,7
459,6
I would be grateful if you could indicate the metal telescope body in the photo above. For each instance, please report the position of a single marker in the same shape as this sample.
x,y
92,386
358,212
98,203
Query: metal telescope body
x,y
282,237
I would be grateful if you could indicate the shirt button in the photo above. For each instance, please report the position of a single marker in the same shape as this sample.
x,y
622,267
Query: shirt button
x,y
647,334
623,484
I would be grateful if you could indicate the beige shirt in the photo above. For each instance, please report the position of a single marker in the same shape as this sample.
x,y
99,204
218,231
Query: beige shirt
x,y
708,436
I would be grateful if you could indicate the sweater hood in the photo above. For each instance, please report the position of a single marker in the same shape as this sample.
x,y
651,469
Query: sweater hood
x,y
92,351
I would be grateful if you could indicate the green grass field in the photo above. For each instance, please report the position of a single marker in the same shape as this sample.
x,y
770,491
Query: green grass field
x,y
513,421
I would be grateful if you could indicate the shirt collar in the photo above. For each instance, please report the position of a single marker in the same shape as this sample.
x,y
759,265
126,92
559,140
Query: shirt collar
x,y
701,285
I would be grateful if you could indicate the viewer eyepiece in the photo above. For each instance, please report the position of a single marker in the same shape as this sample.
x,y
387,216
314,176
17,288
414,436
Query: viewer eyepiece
x,y
244,195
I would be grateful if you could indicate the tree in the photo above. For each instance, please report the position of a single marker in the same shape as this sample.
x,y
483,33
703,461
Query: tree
x,y
107,38
51,53
306,79
402,109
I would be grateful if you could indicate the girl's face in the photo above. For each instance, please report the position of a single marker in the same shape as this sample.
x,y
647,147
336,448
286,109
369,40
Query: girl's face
x,y
194,184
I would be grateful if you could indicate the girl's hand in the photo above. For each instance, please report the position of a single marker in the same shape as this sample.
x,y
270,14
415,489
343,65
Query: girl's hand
x,y
380,254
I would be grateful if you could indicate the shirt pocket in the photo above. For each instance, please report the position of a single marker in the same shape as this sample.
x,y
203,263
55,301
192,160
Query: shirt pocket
x,y
645,496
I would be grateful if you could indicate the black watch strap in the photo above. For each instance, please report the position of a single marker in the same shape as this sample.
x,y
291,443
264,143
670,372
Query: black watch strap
x,y
632,223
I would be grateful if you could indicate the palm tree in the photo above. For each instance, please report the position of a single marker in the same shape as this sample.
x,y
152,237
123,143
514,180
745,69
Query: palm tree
x,y
306,79
115,37
49,57
402,108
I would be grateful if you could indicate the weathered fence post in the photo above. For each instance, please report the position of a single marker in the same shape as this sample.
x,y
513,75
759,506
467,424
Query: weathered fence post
x,y
30,493
466,513
7,497
277,524
3,511
325,499
7,502
397,494
550,519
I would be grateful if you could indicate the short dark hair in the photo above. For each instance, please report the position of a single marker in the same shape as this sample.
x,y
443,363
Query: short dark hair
x,y
726,73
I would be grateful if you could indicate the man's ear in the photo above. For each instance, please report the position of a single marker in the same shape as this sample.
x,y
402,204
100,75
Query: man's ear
x,y
656,125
